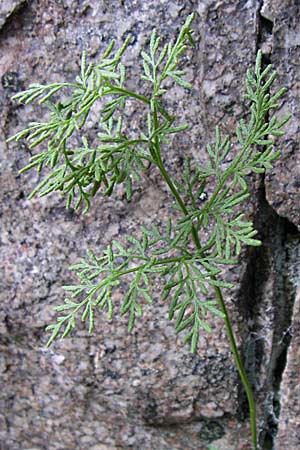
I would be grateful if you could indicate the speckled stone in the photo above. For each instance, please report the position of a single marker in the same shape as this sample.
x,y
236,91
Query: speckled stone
x,y
112,390
282,185
289,425
7,8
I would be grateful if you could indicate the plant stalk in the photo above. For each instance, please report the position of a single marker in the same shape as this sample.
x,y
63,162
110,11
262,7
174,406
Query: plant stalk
x,y
240,367
218,292
128,93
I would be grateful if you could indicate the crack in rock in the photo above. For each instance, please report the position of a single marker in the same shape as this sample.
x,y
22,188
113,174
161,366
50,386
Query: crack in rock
x,y
8,8
266,300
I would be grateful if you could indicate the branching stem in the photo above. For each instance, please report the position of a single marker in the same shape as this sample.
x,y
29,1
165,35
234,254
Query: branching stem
x,y
128,93
218,292
79,172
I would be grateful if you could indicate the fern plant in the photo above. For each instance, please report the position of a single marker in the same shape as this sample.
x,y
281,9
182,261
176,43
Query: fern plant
x,y
188,267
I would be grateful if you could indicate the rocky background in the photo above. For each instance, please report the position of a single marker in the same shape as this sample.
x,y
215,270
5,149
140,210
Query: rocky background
x,y
144,391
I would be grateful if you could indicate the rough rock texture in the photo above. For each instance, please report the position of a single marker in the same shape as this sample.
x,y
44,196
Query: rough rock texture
x,y
145,391
7,8
289,425
283,184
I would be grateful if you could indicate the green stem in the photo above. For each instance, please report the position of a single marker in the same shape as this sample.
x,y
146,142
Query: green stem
x,y
229,171
169,182
219,295
128,93
240,367
115,276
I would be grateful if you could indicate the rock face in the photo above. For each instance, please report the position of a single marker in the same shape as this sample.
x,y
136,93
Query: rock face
x,y
8,8
111,390
283,184
288,428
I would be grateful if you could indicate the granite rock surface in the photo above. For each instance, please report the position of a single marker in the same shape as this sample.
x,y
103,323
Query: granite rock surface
x,y
112,390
